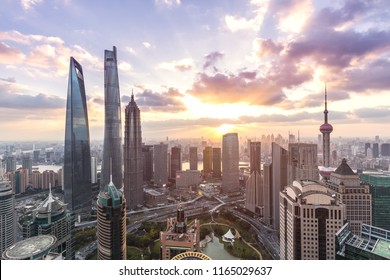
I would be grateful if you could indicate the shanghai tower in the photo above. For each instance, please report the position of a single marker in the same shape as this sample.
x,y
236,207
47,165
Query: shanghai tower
x,y
77,156
133,172
112,149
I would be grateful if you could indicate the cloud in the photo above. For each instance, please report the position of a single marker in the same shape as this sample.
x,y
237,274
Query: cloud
x,y
27,39
10,55
147,45
372,113
11,99
9,79
266,47
212,58
152,101
124,66
168,3
237,23
315,100
29,4
182,65
130,50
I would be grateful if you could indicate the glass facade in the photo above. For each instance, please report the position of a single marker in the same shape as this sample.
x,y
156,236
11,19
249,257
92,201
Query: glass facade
x,y
112,151
230,163
380,190
77,158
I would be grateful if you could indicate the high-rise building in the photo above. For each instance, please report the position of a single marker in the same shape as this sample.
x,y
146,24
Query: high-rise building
x,y
111,224
275,179
20,182
326,129
133,171
385,150
7,215
112,149
193,158
77,155
36,179
10,164
160,158
179,237
27,164
254,194
175,161
207,160
356,196
147,162
48,179
36,154
366,147
217,162
93,170
302,162
310,217
375,150
52,218
230,163
379,183
255,156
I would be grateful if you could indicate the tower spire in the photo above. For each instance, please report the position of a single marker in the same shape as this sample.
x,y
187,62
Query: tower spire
x,y
326,107
132,95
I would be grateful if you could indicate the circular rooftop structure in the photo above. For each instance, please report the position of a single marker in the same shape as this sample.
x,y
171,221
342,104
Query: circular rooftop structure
x,y
31,248
326,127
191,256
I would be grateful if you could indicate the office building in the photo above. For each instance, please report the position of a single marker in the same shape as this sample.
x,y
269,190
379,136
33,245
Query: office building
x,y
10,164
179,236
175,161
217,163
310,217
373,243
326,129
356,197
112,149
77,155
36,154
154,198
147,162
7,215
193,158
160,158
93,170
375,150
302,162
230,163
366,147
254,194
255,156
111,224
20,180
188,178
51,217
385,150
379,183
133,172
275,179
27,164
207,160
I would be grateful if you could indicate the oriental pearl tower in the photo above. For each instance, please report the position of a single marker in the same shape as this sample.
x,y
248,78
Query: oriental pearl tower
x,y
326,128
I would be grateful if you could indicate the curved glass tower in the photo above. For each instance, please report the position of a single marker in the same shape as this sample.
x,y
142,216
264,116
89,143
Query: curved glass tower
x,y
77,157
112,150
7,216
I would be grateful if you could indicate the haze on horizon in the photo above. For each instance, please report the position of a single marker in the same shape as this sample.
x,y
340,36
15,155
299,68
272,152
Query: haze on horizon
x,y
200,68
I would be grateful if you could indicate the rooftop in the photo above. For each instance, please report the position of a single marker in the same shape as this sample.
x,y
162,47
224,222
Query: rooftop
x,y
344,169
382,248
30,247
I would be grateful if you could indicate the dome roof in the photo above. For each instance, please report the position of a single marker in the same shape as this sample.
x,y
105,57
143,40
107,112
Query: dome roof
x,y
326,127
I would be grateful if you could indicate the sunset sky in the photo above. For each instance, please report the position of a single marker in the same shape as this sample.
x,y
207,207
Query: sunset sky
x,y
200,68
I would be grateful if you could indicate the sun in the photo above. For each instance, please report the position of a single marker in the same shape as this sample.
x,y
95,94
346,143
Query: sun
x,y
224,128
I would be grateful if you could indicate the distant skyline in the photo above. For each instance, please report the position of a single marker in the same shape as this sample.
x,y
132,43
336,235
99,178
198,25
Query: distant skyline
x,y
199,68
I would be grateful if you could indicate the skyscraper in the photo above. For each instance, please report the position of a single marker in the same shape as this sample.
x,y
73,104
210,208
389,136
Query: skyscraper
x,y
255,156
375,150
217,162
193,158
7,215
111,224
207,160
326,129
77,155
310,217
27,163
302,162
230,163
133,171
10,164
93,170
147,162
52,218
254,184
112,150
175,161
160,158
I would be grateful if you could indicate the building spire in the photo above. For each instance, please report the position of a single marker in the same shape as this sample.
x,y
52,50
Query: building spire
x,y
132,95
111,170
326,107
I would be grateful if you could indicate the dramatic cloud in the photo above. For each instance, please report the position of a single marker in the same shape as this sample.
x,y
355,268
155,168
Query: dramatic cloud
x,y
266,47
10,55
371,113
182,65
315,100
236,23
152,101
212,58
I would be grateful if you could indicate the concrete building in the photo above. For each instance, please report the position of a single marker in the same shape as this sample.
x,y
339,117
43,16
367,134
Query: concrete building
x,y
52,218
255,156
188,178
175,161
310,216
179,236
160,158
93,170
36,180
48,178
230,163
111,224
154,198
254,194
147,162
133,170
7,215
207,160
302,162
193,158
217,163
27,163
356,197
